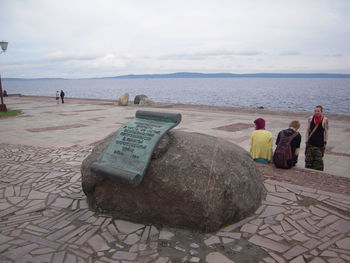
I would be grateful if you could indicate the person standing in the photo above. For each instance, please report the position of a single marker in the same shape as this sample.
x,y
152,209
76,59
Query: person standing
x,y
58,97
62,96
288,146
261,143
316,139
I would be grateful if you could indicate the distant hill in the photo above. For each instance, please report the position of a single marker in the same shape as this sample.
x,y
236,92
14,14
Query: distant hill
x,y
207,75
231,75
23,79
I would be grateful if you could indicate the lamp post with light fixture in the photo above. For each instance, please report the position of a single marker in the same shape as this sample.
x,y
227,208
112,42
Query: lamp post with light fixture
x,y
3,108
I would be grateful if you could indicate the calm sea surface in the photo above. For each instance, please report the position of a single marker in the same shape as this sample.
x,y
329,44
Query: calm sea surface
x,y
295,94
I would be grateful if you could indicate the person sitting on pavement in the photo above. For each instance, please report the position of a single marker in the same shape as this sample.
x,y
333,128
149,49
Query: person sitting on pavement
x,y
293,138
261,143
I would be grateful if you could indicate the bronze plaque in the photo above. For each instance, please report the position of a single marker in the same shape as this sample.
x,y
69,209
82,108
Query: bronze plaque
x,y
129,153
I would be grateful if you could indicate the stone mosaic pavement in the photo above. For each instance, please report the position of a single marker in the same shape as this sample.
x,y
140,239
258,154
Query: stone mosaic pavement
x,y
44,218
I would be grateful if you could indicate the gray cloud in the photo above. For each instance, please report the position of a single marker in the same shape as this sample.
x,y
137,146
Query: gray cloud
x,y
249,53
336,55
53,59
69,57
290,53
136,37
208,55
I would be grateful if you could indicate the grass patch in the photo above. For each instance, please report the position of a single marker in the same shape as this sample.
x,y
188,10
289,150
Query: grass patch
x,y
9,113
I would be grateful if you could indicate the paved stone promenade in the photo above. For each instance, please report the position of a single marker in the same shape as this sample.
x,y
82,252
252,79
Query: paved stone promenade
x,y
44,216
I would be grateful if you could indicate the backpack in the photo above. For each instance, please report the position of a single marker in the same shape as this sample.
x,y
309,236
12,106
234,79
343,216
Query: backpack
x,y
283,152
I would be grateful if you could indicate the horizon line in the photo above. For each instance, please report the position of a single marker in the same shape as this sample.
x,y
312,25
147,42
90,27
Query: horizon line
x,y
185,74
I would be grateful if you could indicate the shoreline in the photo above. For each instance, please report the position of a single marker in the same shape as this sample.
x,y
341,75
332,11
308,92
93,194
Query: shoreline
x,y
86,121
203,107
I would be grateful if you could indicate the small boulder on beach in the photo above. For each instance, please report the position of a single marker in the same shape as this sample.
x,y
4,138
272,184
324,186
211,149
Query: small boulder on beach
x,y
146,102
123,100
138,98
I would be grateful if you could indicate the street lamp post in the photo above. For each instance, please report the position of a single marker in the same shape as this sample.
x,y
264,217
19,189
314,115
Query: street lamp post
x,y
3,108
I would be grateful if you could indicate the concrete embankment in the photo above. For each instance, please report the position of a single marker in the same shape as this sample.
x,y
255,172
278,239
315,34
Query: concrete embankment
x,y
44,216
86,121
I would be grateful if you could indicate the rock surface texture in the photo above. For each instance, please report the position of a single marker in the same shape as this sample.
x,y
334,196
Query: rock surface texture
x,y
193,180
146,102
138,98
123,100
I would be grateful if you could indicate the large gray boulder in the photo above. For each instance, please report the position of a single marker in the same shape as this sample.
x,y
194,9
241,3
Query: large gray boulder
x,y
193,180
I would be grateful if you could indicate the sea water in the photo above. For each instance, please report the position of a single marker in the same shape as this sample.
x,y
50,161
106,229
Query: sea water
x,y
294,94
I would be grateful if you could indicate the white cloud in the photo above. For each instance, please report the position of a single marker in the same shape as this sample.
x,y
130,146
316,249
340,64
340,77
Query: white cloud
x,y
118,37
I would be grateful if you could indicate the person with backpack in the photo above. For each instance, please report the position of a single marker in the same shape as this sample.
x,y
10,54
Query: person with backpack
x,y
316,139
288,146
261,143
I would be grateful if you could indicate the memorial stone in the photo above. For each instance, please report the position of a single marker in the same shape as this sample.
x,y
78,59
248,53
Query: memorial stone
x,y
129,153
193,180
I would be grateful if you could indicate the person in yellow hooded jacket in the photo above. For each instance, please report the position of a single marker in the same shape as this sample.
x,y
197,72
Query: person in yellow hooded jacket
x,y
261,143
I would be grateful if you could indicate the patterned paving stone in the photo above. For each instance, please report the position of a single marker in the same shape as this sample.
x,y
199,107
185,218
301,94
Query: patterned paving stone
x,y
37,195
127,227
300,237
318,212
299,259
249,228
217,257
275,199
98,243
120,255
341,226
132,239
20,252
272,210
267,243
234,235
294,252
45,218
212,240
343,243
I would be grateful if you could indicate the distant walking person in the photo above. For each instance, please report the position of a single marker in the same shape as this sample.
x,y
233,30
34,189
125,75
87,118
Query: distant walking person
x,y
288,145
58,97
261,143
62,96
316,139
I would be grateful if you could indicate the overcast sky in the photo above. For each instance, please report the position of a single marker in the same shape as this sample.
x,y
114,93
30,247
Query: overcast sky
x,y
87,38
